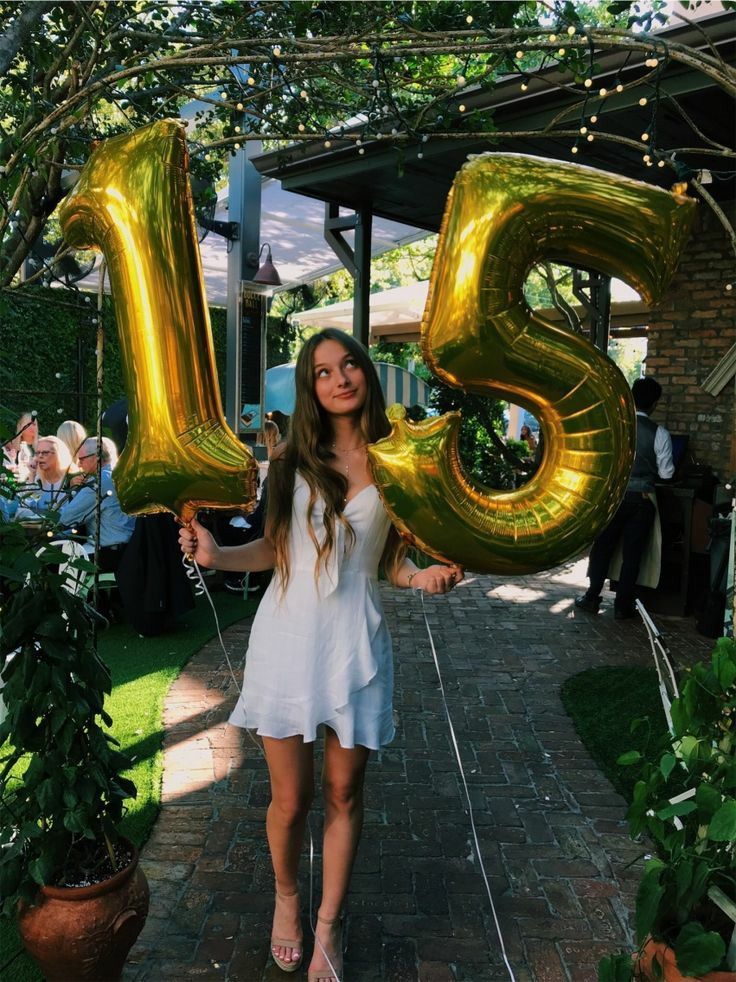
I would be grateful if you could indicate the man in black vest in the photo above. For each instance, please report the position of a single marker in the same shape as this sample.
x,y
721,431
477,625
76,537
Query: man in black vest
x,y
632,522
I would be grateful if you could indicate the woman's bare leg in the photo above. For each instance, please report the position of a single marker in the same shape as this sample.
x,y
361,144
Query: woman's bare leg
x,y
342,784
291,770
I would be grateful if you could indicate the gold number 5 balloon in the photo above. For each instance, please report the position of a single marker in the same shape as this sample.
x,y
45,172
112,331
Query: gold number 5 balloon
x,y
505,213
133,202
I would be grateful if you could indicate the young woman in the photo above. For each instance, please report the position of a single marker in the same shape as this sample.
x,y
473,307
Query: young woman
x,y
319,649
73,434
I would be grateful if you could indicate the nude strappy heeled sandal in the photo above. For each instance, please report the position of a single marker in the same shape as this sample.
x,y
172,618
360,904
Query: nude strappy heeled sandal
x,y
293,965
336,960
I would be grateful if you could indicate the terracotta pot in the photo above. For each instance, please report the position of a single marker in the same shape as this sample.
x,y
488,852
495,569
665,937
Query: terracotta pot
x,y
666,958
76,933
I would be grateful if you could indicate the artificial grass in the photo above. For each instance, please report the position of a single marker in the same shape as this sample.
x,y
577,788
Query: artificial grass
x,y
143,670
615,710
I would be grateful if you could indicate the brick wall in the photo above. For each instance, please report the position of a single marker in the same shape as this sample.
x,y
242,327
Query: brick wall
x,y
688,335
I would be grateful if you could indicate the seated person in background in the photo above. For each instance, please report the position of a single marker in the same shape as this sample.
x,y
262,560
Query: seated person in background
x,y
51,487
18,453
73,434
116,527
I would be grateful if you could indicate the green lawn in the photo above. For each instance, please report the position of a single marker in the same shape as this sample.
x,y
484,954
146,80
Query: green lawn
x,y
142,672
605,705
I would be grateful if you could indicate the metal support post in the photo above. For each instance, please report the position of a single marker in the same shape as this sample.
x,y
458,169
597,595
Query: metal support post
x,y
597,303
356,260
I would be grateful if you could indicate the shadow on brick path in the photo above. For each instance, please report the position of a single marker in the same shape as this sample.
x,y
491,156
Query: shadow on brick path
x,y
551,828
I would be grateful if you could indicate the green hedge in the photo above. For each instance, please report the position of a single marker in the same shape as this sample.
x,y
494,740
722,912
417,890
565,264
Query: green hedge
x,y
47,332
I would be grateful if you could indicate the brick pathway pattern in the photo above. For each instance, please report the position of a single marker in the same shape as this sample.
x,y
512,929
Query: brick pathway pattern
x,y
551,828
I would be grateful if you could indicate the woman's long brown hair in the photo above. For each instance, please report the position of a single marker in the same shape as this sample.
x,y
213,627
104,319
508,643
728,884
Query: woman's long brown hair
x,y
308,449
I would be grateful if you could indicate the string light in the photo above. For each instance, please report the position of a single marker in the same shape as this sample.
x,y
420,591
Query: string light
x,y
303,94
302,127
251,80
523,86
461,108
223,95
571,30
619,87
575,149
651,62
361,151
603,93
460,81
590,138
239,107
583,130
328,144
561,52
645,137
469,19
661,163
553,38
519,54
277,52
588,82
643,101
594,119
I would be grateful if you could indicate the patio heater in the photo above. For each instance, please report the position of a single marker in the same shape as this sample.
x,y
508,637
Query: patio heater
x,y
255,302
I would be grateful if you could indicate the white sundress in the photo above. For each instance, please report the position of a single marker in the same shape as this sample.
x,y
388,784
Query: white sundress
x,y
320,652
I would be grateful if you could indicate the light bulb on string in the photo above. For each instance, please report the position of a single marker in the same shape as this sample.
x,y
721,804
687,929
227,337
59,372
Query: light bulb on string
x,y
603,93
460,81
643,101
277,51
588,82
240,106
469,19
251,80
301,127
561,52
644,137
461,108
594,119
571,30
574,149
523,86
519,54
590,138
661,163
583,130
619,87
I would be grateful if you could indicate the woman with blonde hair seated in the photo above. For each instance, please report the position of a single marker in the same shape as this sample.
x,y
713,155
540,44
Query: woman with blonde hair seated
x,y
53,461
73,434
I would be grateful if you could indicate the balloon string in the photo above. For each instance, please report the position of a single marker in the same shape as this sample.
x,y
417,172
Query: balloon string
x,y
194,574
467,793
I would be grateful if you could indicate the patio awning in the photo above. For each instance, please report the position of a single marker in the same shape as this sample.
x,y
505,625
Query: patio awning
x,y
398,385
396,314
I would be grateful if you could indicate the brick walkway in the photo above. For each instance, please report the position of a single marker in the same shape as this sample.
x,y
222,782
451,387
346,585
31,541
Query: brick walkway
x,y
551,827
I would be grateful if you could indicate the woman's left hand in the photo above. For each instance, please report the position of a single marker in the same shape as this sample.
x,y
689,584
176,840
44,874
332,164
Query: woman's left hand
x,y
438,579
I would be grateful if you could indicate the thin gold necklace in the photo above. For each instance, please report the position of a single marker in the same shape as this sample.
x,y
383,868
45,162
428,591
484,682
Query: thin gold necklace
x,y
345,453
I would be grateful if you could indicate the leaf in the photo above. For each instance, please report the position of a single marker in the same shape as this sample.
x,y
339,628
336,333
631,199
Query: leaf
x,y
708,800
698,951
723,824
615,968
630,757
42,868
648,897
666,764
679,808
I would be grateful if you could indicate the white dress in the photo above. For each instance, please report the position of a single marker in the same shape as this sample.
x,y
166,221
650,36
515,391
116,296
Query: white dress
x,y
320,652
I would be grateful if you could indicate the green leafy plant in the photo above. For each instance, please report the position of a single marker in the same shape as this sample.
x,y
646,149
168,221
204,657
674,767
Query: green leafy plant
x,y
62,789
685,803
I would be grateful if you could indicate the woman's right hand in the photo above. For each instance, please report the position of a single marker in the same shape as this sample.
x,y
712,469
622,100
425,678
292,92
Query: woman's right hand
x,y
196,541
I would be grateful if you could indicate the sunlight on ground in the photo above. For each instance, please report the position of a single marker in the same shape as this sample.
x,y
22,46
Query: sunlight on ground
x,y
514,593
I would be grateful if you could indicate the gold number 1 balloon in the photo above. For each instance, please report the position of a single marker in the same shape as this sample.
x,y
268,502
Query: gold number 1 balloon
x,y
133,202
505,213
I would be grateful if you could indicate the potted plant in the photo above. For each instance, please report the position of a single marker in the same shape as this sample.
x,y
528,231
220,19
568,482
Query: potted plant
x,y
685,803
64,869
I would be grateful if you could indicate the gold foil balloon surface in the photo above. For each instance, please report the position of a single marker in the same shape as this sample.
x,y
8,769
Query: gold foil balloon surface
x,y
134,204
505,213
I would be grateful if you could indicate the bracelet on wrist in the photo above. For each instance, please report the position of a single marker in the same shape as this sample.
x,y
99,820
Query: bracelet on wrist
x,y
411,577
